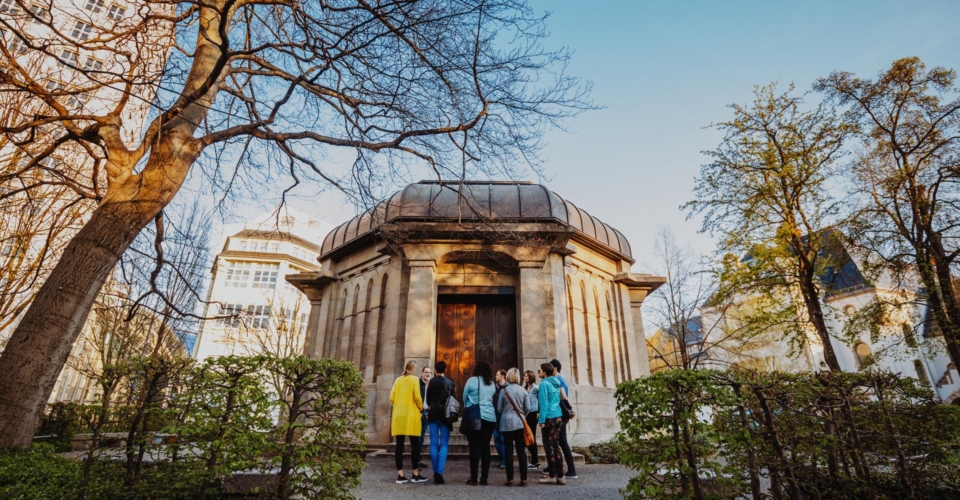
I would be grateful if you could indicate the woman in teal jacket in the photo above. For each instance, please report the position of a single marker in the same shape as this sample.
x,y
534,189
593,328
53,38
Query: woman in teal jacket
x,y
479,389
550,423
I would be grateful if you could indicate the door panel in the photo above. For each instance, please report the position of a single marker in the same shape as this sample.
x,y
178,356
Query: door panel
x,y
472,332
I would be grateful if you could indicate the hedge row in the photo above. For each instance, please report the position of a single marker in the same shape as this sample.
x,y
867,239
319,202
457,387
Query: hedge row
x,y
714,434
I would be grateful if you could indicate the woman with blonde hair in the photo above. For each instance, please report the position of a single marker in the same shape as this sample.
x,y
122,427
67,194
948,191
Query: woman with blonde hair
x,y
533,395
405,423
513,407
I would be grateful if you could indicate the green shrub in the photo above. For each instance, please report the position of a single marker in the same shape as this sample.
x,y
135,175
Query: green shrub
x,y
600,453
37,473
824,435
219,421
61,421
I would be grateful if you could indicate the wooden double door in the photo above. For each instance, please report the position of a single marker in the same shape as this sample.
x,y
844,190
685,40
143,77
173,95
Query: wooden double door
x,y
470,331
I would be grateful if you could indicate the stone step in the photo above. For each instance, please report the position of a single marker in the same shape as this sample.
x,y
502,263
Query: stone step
x,y
460,457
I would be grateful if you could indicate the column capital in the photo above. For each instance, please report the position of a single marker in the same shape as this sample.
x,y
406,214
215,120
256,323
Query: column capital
x,y
311,284
639,285
432,264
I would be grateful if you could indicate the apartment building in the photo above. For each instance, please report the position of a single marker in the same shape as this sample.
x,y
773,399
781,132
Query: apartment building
x,y
251,309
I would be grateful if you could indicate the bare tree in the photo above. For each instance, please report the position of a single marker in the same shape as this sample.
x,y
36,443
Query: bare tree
x,y
265,86
683,339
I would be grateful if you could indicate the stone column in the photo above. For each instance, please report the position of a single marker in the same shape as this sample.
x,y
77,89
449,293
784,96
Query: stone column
x,y
316,287
420,335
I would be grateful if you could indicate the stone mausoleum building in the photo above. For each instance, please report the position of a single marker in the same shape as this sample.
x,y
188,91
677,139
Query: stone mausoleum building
x,y
506,272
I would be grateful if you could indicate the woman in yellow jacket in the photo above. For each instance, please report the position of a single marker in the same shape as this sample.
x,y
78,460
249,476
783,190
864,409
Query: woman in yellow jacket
x,y
407,411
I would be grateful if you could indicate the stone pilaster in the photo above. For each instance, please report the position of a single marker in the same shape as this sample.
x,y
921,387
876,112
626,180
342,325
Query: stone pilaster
x,y
420,327
638,287
537,333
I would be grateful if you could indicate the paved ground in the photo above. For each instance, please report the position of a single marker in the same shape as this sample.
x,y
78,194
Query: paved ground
x,y
596,482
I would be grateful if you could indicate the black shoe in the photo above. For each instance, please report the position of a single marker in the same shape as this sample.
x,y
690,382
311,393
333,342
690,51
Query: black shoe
x,y
437,479
417,478
483,482
471,482
571,475
401,479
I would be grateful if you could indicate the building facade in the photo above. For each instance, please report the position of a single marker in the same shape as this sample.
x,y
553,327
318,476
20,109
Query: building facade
x,y
504,272
904,340
251,309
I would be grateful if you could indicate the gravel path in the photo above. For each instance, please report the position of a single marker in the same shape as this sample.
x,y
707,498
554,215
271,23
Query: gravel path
x,y
596,482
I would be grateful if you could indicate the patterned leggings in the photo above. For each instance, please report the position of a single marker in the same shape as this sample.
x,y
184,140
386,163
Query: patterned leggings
x,y
551,445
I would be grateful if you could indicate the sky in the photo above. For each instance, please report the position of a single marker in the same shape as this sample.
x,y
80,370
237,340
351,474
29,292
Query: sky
x,y
665,70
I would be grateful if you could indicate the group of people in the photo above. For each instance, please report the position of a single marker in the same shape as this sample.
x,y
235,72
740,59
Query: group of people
x,y
506,401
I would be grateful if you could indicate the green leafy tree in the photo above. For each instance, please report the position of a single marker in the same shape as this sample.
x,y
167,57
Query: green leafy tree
x,y
767,195
321,427
908,175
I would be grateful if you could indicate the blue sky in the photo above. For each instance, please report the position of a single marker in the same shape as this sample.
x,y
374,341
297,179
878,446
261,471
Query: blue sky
x,y
664,70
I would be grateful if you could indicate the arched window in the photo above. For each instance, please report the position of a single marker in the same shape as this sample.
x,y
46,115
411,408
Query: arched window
x,y
572,338
864,356
365,344
603,353
586,332
352,339
615,349
378,348
618,302
335,348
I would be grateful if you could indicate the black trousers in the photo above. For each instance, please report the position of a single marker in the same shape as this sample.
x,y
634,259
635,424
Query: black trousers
x,y
565,448
513,439
532,419
414,451
480,450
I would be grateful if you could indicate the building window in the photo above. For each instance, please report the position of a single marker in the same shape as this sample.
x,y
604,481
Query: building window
x,y
864,356
230,315
81,31
274,247
95,6
921,372
40,14
908,336
116,13
265,275
93,64
258,317
68,59
242,244
9,7
238,274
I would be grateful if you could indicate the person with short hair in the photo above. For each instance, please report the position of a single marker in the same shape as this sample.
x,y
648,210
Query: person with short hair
x,y
550,421
513,406
405,423
564,445
479,390
439,390
533,391
425,375
501,380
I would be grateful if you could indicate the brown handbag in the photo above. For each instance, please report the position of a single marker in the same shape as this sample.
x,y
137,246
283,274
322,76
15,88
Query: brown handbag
x,y
528,437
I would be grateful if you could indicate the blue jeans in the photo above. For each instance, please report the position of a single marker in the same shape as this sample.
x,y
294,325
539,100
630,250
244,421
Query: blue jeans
x,y
498,443
439,439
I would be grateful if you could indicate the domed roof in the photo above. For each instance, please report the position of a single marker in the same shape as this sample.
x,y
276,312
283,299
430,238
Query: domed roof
x,y
505,201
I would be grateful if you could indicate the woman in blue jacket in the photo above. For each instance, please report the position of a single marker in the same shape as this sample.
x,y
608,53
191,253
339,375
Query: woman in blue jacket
x,y
551,422
479,389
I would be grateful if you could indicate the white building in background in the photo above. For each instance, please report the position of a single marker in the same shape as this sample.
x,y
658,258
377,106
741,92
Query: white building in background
x,y
68,55
251,308
906,341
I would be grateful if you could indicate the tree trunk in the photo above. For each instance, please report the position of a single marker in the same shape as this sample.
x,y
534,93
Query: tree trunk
x,y
948,301
811,300
41,344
